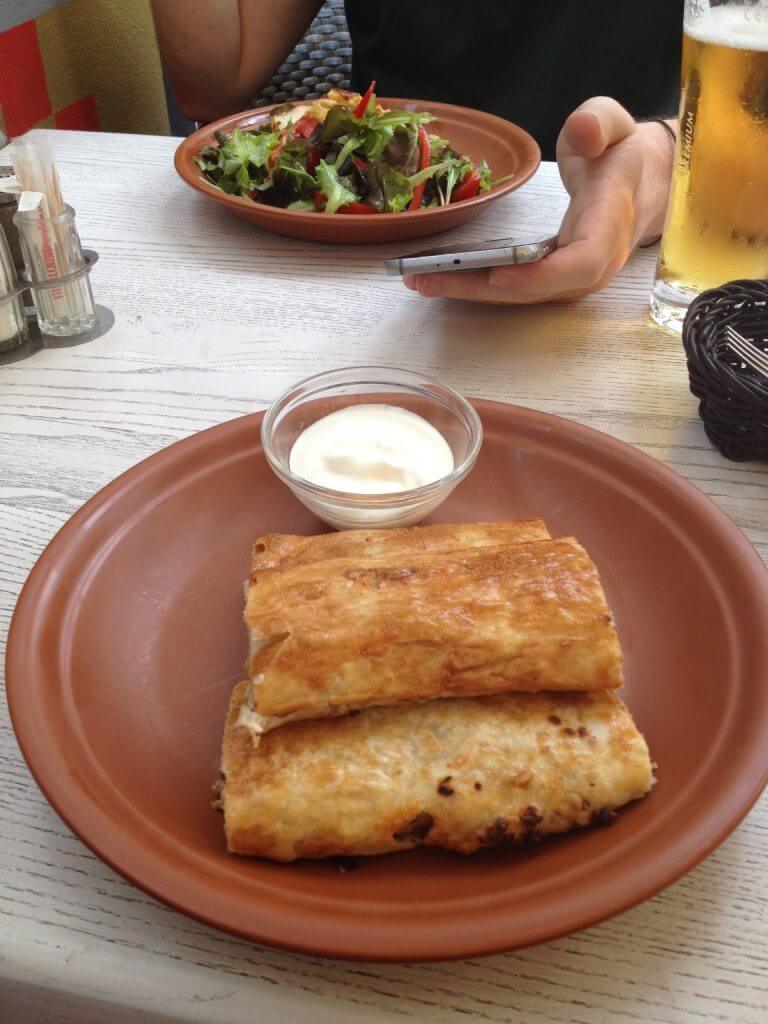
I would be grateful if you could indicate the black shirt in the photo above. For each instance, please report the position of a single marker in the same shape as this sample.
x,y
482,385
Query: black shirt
x,y
531,61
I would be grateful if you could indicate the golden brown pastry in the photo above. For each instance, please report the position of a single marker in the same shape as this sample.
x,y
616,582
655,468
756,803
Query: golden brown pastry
x,y
346,633
282,551
461,774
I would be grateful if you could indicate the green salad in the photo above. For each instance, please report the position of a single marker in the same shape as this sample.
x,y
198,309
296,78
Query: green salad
x,y
343,154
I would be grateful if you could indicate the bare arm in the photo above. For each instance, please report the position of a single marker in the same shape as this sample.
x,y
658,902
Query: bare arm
x,y
218,53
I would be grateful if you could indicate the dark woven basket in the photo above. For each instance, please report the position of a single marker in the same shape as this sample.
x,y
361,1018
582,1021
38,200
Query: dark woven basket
x,y
733,398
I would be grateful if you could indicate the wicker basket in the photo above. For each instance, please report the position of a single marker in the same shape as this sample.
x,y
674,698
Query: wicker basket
x,y
733,398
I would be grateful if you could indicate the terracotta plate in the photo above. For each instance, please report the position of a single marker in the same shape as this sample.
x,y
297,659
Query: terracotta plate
x,y
507,148
127,639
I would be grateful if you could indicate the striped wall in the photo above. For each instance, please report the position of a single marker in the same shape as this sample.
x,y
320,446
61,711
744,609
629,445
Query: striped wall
x,y
88,64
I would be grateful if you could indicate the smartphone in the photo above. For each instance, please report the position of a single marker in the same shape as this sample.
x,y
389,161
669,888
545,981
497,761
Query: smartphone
x,y
497,252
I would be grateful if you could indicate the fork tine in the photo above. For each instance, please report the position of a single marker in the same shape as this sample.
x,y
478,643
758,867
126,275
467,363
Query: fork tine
x,y
746,351
732,333
735,338
756,359
746,344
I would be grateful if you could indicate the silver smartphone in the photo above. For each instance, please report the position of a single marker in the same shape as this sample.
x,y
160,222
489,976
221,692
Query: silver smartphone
x,y
497,252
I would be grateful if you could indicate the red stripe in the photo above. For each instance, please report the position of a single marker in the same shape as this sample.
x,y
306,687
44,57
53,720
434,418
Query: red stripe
x,y
23,89
81,115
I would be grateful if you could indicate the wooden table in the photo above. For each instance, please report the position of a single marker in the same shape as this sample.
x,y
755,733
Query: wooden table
x,y
214,318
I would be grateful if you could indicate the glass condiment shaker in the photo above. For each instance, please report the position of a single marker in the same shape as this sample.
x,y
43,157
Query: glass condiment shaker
x,y
8,205
52,250
13,322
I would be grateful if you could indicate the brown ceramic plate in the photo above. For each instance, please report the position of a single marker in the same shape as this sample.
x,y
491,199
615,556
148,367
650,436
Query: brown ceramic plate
x,y
507,148
128,637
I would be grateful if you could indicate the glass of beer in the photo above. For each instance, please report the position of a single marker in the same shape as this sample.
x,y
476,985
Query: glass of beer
x,y
716,229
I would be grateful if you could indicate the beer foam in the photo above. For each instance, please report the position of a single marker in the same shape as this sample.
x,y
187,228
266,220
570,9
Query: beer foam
x,y
739,27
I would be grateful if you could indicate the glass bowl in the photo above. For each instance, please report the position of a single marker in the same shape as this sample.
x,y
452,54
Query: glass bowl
x,y
310,399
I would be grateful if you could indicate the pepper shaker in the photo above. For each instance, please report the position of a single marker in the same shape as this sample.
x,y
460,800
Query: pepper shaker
x,y
13,322
8,205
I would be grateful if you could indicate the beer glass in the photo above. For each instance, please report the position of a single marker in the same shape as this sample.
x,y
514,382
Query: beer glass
x,y
716,228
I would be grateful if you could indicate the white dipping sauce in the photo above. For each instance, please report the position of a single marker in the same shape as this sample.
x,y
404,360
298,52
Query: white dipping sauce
x,y
371,449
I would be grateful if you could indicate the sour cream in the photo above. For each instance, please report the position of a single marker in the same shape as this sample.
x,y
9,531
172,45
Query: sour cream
x,y
371,449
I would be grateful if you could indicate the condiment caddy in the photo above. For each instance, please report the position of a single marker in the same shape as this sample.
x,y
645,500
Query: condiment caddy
x,y
56,267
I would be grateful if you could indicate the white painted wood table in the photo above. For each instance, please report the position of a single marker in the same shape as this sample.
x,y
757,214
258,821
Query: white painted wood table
x,y
213,318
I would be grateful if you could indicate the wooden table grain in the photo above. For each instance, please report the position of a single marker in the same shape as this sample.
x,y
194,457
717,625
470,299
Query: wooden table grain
x,y
213,318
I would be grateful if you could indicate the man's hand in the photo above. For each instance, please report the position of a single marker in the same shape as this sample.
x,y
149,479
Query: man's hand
x,y
617,173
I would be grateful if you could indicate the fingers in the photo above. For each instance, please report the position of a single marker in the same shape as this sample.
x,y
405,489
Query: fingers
x,y
598,227
598,123
568,273
476,286
576,269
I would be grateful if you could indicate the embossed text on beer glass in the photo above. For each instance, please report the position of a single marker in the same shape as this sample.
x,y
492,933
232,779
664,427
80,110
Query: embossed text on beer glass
x,y
716,228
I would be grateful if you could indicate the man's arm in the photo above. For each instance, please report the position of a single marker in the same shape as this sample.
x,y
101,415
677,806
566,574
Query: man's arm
x,y
218,53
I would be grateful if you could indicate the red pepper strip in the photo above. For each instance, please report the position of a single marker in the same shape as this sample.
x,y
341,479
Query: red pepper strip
x,y
467,187
274,156
319,200
362,106
418,192
361,164
358,208
313,159
304,127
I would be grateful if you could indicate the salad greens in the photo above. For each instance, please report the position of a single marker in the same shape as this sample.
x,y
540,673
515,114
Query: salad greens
x,y
343,154
333,188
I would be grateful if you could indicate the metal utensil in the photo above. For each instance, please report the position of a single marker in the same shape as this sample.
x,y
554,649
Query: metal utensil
x,y
747,351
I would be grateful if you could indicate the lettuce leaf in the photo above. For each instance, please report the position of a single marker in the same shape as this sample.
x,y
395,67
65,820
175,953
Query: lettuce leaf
x,y
434,169
248,147
485,176
447,186
242,177
373,130
437,147
348,148
396,119
340,121
295,150
302,205
333,187
240,163
388,189
402,151
302,181
375,142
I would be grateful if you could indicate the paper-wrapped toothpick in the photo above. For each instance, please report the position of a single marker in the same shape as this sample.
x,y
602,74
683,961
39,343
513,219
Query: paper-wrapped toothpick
x,y
41,246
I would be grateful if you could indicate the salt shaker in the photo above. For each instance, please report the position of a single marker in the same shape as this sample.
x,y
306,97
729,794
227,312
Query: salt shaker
x,y
13,322
8,204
